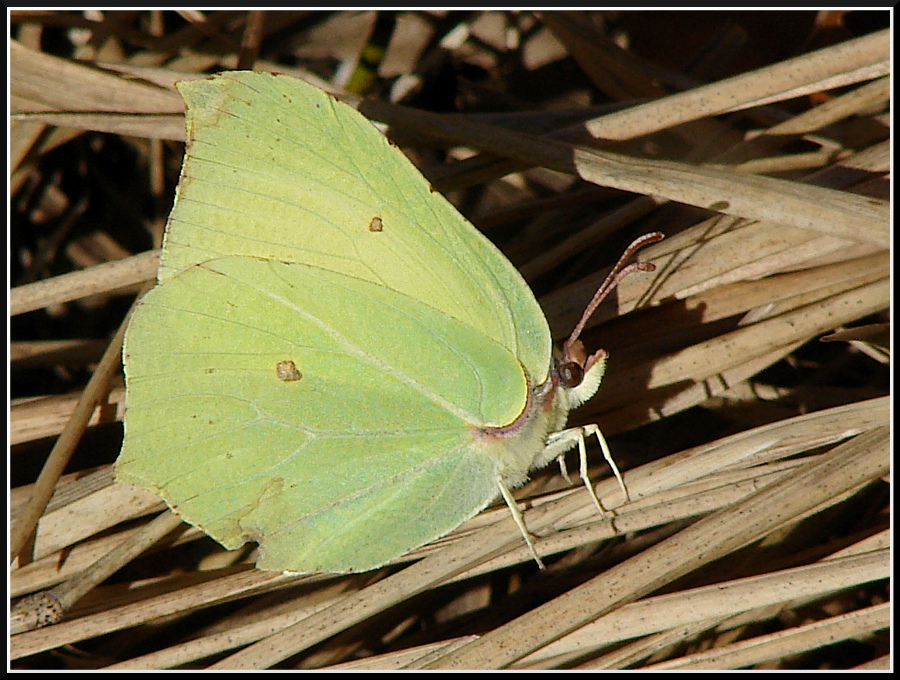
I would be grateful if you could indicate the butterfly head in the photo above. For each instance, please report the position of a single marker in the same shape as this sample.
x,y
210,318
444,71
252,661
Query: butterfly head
x,y
576,373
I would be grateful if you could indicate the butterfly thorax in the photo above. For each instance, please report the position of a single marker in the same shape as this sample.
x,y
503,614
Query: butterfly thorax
x,y
519,447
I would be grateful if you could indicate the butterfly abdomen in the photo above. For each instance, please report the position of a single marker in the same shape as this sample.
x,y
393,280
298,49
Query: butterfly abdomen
x,y
514,448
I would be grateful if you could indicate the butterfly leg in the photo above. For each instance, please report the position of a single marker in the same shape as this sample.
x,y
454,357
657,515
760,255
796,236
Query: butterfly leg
x,y
593,429
560,442
563,470
520,521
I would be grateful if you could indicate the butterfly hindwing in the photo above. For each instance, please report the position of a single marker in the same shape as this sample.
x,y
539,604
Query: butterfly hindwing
x,y
370,433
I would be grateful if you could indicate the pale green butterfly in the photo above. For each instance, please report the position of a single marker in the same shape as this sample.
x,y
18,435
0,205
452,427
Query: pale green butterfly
x,y
334,363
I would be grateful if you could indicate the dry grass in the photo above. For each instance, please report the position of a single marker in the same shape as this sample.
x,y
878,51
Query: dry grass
x,y
757,535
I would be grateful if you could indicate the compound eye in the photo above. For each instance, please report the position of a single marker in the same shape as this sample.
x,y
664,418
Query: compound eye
x,y
571,374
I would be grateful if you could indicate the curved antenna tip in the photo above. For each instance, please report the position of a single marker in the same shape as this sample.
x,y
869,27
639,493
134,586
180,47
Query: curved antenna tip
x,y
619,271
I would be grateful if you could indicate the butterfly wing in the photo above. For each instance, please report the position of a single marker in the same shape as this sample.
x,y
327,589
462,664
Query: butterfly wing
x,y
360,452
327,337
280,170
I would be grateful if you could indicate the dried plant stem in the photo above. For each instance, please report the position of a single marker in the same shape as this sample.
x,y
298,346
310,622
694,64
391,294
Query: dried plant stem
x,y
96,389
108,277
846,467
65,595
785,643
851,61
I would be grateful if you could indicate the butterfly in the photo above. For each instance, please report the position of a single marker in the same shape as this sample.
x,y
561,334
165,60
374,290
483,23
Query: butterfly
x,y
334,362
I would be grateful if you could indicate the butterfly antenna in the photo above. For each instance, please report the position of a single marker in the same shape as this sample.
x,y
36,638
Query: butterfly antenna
x,y
616,274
